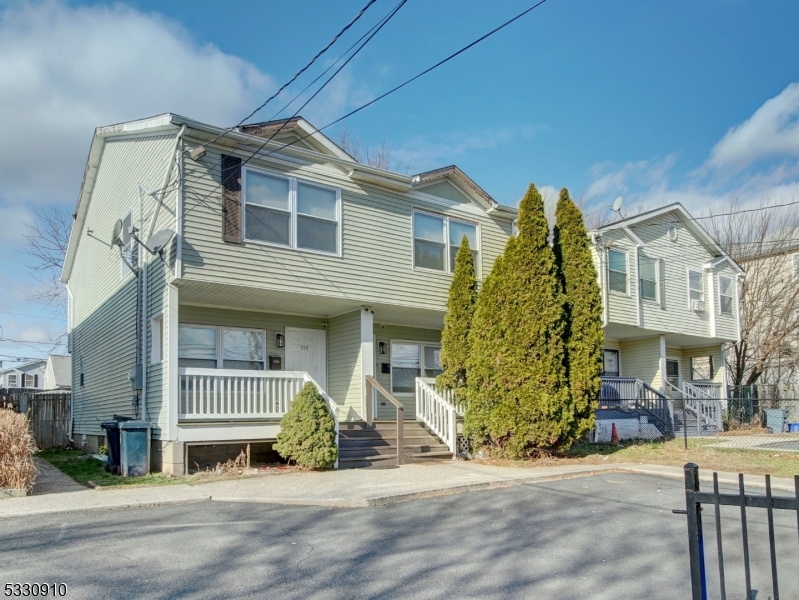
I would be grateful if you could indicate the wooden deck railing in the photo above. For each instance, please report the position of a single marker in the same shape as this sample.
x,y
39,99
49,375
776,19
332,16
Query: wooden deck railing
x,y
372,385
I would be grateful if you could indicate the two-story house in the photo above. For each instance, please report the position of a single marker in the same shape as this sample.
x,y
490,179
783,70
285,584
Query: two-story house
x,y
211,273
670,299
290,262
27,376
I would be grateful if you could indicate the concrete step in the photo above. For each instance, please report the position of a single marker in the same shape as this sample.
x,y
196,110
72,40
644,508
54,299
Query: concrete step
x,y
365,451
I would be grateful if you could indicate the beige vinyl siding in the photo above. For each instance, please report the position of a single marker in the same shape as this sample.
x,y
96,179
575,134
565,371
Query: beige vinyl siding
x,y
641,359
387,333
377,255
272,323
718,363
103,311
611,344
344,372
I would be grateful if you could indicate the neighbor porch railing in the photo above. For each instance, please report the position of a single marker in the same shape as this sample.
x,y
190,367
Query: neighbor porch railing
x,y
437,411
633,394
701,403
230,395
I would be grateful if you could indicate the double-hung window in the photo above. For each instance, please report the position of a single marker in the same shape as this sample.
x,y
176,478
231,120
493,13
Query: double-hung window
x,y
437,239
11,380
648,274
696,289
288,212
30,381
221,347
410,360
725,295
617,271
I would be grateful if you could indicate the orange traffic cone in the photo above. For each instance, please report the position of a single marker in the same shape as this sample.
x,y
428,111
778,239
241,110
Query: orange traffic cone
x,y
614,435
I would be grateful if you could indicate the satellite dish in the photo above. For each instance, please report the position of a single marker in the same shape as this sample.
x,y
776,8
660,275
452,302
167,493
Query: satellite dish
x,y
617,204
116,235
159,241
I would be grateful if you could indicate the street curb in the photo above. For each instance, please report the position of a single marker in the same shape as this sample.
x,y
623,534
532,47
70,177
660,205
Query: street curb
x,y
117,506
706,476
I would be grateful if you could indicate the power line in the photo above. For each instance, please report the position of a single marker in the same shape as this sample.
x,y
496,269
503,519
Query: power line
x,y
8,312
301,71
382,96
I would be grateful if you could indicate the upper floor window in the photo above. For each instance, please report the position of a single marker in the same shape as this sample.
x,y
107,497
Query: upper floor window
x,y
287,212
696,289
617,271
11,380
437,239
725,294
648,273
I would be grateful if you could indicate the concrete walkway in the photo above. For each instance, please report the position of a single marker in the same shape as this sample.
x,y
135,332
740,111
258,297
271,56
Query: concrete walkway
x,y
50,480
349,488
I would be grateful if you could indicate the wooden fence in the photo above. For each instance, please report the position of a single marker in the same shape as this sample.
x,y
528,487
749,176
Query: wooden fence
x,y
48,414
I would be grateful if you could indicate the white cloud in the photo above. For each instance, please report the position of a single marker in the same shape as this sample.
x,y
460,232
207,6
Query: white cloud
x,y
65,71
773,130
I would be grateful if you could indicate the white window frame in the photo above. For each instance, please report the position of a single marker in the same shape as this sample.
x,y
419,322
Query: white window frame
x,y
422,367
157,339
626,273
8,380
32,380
293,221
447,245
731,296
220,350
674,359
656,263
688,272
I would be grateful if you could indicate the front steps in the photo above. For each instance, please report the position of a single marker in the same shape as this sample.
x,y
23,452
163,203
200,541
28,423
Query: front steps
x,y
361,445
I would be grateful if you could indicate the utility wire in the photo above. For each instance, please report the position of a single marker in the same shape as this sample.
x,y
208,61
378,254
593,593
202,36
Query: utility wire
x,y
301,71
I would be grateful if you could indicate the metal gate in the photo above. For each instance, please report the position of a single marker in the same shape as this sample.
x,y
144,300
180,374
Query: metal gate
x,y
694,499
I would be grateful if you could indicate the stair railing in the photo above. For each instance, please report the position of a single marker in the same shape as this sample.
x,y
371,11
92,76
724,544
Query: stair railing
x,y
373,385
703,405
440,416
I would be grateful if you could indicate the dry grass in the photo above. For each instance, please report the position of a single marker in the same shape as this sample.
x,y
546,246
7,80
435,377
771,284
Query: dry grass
x,y
673,453
16,451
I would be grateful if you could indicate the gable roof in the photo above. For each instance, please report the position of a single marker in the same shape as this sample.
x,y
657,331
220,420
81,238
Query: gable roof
x,y
686,219
62,369
304,131
465,184
23,366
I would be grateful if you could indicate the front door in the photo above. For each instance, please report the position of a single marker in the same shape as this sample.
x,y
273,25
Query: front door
x,y
305,351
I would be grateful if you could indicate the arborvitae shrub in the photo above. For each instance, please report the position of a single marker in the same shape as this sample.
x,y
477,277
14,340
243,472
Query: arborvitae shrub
x,y
584,335
517,388
308,432
457,323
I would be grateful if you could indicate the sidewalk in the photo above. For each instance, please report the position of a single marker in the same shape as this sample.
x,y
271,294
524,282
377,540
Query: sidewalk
x,y
349,488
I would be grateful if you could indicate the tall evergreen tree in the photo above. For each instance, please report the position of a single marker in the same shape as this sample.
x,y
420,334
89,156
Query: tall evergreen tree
x,y
458,322
584,334
517,388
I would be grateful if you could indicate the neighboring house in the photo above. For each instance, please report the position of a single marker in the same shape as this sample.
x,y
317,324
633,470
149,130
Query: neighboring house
x,y
298,263
773,324
28,376
670,296
58,373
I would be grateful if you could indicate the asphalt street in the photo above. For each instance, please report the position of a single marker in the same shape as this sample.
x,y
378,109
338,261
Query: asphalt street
x,y
607,536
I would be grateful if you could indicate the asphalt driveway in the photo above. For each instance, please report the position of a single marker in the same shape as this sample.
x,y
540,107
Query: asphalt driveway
x,y
607,536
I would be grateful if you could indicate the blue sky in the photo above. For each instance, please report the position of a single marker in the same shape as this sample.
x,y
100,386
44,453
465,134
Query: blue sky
x,y
693,101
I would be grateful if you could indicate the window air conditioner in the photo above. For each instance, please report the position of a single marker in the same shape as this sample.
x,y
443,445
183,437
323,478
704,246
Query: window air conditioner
x,y
698,305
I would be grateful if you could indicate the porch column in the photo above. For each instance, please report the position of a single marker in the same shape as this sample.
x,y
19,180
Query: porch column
x,y
171,448
663,387
367,353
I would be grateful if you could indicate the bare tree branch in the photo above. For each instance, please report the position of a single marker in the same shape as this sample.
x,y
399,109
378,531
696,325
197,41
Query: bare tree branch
x,y
380,157
46,246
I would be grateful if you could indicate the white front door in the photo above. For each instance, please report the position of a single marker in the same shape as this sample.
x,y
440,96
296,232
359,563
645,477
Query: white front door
x,y
305,351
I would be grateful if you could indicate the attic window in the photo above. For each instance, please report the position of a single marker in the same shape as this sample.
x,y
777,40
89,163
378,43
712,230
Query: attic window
x,y
437,239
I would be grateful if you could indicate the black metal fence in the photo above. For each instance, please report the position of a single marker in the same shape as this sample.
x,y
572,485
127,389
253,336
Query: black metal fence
x,y
694,501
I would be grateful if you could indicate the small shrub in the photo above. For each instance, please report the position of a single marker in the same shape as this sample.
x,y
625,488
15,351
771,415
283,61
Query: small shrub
x,y
17,446
308,431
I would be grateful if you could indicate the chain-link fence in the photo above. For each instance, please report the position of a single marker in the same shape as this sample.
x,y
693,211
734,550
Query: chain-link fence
x,y
765,424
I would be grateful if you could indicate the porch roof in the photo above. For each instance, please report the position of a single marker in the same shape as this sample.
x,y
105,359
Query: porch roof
x,y
239,297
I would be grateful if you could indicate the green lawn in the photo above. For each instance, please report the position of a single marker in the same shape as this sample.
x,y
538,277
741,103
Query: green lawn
x,y
88,469
673,453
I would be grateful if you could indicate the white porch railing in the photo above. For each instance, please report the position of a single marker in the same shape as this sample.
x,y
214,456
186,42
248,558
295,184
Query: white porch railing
x,y
437,413
711,390
227,394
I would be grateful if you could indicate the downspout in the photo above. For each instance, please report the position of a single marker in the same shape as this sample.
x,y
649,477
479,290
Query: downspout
x,y
161,193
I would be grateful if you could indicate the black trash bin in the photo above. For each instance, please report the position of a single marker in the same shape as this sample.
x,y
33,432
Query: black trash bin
x,y
113,434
